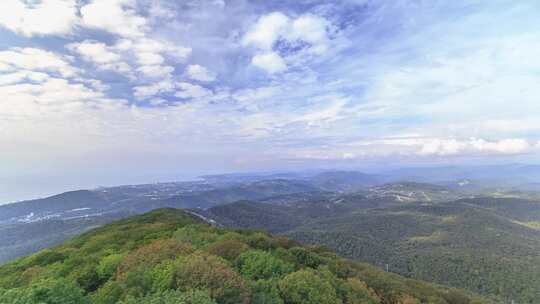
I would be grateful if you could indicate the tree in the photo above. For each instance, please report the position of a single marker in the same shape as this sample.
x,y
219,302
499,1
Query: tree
x,y
307,287
45,292
109,293
257,264
265,292
108,265
173,297
211,273
227,249
305,257
152,254
357,292
87,277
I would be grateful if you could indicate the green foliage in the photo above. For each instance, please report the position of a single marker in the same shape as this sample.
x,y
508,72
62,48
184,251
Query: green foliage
x,y
357,292
486,245
306,286
162,276
258,264
261,241
194,235
305,258
108,265
151,254
45,257
167,256
45,292
228,249
265,292
87,277
109,293
211,273
173,297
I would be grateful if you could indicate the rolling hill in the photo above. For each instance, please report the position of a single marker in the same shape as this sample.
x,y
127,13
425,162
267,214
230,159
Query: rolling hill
x,y
487,245
169,256
457,233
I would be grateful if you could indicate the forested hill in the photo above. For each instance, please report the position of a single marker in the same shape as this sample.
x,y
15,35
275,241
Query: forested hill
x,y
489,246
169,256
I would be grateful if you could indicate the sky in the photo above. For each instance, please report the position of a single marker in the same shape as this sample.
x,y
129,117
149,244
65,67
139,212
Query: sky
x,y
104,92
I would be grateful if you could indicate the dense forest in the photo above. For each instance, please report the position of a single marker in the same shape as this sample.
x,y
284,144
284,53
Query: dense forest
x,y
486,245
170,256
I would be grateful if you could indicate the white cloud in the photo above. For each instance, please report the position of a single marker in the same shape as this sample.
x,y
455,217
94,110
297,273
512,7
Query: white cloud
x,y
156,71
271,62
17,59
414,148
311,29
148,58
254,95
330,111
142,92
505,146
266,31
200,73
103,56
438,146
308,33
94,51
188,90
44,17
19,76
52,90
184,90
429,146
468,87
148,53
116,16
153,46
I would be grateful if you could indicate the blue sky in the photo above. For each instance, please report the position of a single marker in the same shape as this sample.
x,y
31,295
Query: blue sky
x,y
123,91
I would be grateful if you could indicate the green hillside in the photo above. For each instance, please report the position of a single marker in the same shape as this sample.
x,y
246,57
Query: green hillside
x,y
488,246
169,256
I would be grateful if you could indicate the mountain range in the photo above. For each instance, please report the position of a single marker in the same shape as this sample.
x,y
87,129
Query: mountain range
x,y
453,226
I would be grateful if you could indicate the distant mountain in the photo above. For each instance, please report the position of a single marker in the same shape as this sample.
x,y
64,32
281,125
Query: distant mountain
x,y
345,181
170,256
518,209
52,206
415,192
20,239
22,224
510,174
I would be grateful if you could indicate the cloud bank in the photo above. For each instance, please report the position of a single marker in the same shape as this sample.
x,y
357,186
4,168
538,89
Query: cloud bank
x,y
210,86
